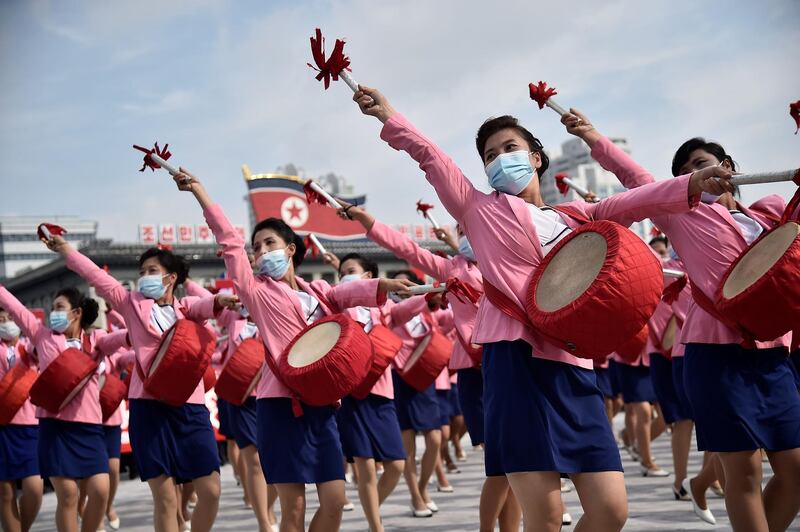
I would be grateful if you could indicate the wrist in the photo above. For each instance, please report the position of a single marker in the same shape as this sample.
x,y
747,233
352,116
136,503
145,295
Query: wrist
x,y
591,137
386,114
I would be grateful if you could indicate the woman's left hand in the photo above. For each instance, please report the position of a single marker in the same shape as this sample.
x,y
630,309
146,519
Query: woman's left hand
x,y
398,286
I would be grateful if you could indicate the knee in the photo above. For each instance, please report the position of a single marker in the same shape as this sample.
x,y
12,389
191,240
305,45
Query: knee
x,y
165,502
7,493
395,466
612,516
208,490
68,495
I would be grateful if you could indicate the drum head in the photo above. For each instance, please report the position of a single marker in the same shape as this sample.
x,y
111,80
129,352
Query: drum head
x,y
75,391
668,339
571,271
417,353
759,259
165,343
314,344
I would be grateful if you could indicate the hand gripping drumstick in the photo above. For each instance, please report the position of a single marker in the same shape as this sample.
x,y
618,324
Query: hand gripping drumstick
x,y
424,209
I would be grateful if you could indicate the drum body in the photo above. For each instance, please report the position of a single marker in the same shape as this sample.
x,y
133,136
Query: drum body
x,y
386,345
630,350
427,361
595,290
760,291
112,392
180,362
15,388
62,380
209,378
327,360
242,371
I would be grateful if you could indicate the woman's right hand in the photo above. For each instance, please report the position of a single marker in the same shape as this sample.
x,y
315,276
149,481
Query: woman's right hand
x,y
354,212
579,125
373,103
58,244
187,182
330,258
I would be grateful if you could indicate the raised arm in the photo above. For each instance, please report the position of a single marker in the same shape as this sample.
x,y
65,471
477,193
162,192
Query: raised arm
x,y
28,323
455,191
110,343
400,313
194,289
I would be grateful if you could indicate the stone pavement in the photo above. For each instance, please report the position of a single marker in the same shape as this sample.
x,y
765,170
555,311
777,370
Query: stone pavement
x,y
651,504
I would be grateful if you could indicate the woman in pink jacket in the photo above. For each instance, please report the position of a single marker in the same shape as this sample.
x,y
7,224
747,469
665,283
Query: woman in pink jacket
x,y
171,444
18,439
301,450
544,413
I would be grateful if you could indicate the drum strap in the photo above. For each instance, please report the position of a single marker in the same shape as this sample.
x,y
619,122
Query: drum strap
x,y
707,305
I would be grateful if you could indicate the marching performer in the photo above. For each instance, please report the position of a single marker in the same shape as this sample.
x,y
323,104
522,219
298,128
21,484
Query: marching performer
x,y
565,427
294,451
18,437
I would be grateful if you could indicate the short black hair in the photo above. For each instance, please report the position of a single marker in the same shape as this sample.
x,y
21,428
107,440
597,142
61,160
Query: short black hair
x,y
493,125
89,307
660,238
681,156
169,261
367,264
286,233
408,273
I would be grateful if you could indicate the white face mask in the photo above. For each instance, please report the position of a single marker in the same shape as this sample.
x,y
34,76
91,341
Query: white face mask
x,y
9,330
351,277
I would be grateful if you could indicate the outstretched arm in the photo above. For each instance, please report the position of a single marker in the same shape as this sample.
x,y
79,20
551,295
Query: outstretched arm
x,y
28,323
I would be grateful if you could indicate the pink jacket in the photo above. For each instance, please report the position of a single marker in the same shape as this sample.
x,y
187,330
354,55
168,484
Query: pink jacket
x,y
407,310
116,363
136,309
273,305
707,239
26,415
441,269
504,238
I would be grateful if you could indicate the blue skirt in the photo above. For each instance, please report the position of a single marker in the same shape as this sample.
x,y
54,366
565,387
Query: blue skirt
x,y
18,451
369,429
742,399
616,380
243,423
176,441
443,400
680,389
795,358
70,449
470,396
543,415
636,384
455,405
417,411
224,416
603,376
305,449
113,437
661,377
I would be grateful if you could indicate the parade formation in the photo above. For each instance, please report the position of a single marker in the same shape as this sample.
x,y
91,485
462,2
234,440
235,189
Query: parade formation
x,y
539,326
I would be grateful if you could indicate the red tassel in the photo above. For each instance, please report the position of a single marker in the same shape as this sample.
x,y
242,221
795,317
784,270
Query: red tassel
x,y
458,289
331,67
310,246
672,292
148,162
540,93
423,208
55,230
794,112
312,196
560,185
164,247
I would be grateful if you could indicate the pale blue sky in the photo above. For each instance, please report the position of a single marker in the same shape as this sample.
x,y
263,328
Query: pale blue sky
x,y
225,83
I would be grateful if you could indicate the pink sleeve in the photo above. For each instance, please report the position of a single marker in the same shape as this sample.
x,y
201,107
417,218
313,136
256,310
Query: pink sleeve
x,y
401,245
615,160
363,293
194,289
116,319
107,287
453,188
28,323
670,196
112,342
199,309
445,320
401,312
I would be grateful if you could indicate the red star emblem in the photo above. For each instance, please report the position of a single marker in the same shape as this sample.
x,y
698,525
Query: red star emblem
x,y
294,211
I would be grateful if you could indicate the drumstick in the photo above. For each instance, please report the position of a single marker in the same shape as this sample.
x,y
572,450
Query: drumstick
x,y
424,208
47,234
317,243
576,187
542,95
767,177
322,192
673,273
426,289
164,164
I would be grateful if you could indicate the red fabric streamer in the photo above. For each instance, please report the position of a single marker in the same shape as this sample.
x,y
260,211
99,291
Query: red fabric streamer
x,y
331,67
671,292
459,289
310,246
55,230
312,196
794,112
540,93
560,185
423,208
431,295
150,163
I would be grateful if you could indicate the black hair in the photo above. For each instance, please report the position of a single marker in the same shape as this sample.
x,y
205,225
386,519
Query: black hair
x,y
413,277
367,264
169,261
681,156
493,125
659,238
286,233
89,307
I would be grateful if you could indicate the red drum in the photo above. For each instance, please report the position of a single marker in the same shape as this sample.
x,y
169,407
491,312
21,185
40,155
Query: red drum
x,y
62,380
327,360
427,361
209,378
242,371
180,363
386,344
760,291
15,388
112,392
630,350
595,290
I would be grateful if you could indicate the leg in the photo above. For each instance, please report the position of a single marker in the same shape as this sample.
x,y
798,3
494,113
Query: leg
x,y
539,495
707,475
368,492
608,403
782,493
186,497
457,430
66,504
443,458
643,413
257,486
410,470
389,479
494,495
743,490
9,511
657,425
629,433
31,501
433,440
510,514
113,483
96,502
165,503
604,501
208,491
272,496
681,442
293,506
329,514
